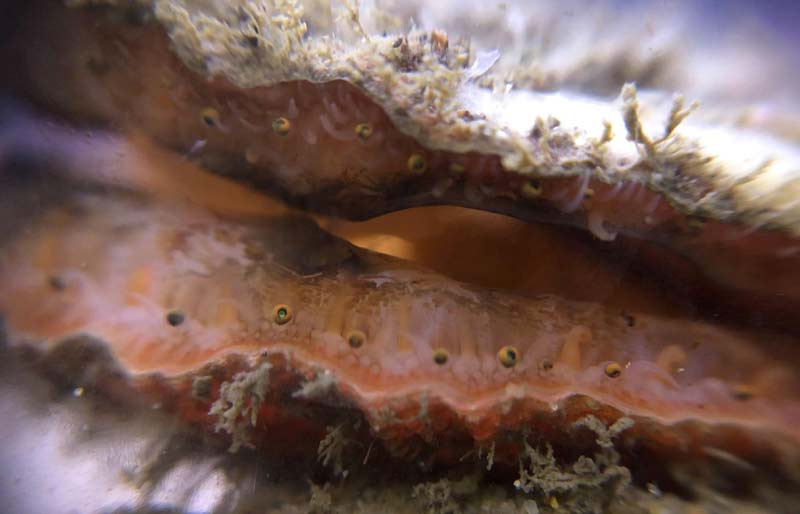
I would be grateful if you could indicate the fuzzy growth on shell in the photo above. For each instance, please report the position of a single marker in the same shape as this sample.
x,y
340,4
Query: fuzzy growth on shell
x,y
741,176
239,402
540,473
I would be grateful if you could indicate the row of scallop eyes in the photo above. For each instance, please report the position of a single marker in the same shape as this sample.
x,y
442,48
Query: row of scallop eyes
x,y
508,356
416,164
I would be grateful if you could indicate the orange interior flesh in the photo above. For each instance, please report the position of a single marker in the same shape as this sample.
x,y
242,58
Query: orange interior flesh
x,y
496,251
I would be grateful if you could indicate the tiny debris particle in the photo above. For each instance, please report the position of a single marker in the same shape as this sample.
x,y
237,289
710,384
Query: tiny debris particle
x,y
330,451
653,489
457,169
490,457
695,224
201,387
77,392
728,458
530,506
317,387
321,500
281,126
175,318
251,155
439,42
467,115
607,135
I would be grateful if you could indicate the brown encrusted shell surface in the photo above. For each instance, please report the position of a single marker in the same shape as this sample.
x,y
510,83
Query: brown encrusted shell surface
x,y
721,196
431,92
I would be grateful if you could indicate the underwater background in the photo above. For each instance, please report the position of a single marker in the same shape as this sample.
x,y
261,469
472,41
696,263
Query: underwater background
x,y
276,256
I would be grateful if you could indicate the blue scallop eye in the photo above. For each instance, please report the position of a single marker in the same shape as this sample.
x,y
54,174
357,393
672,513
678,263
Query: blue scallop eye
x,y
356,338
363,131
175,318
282,314
508,356
417,164
613,370
210,117
531,189
281,126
